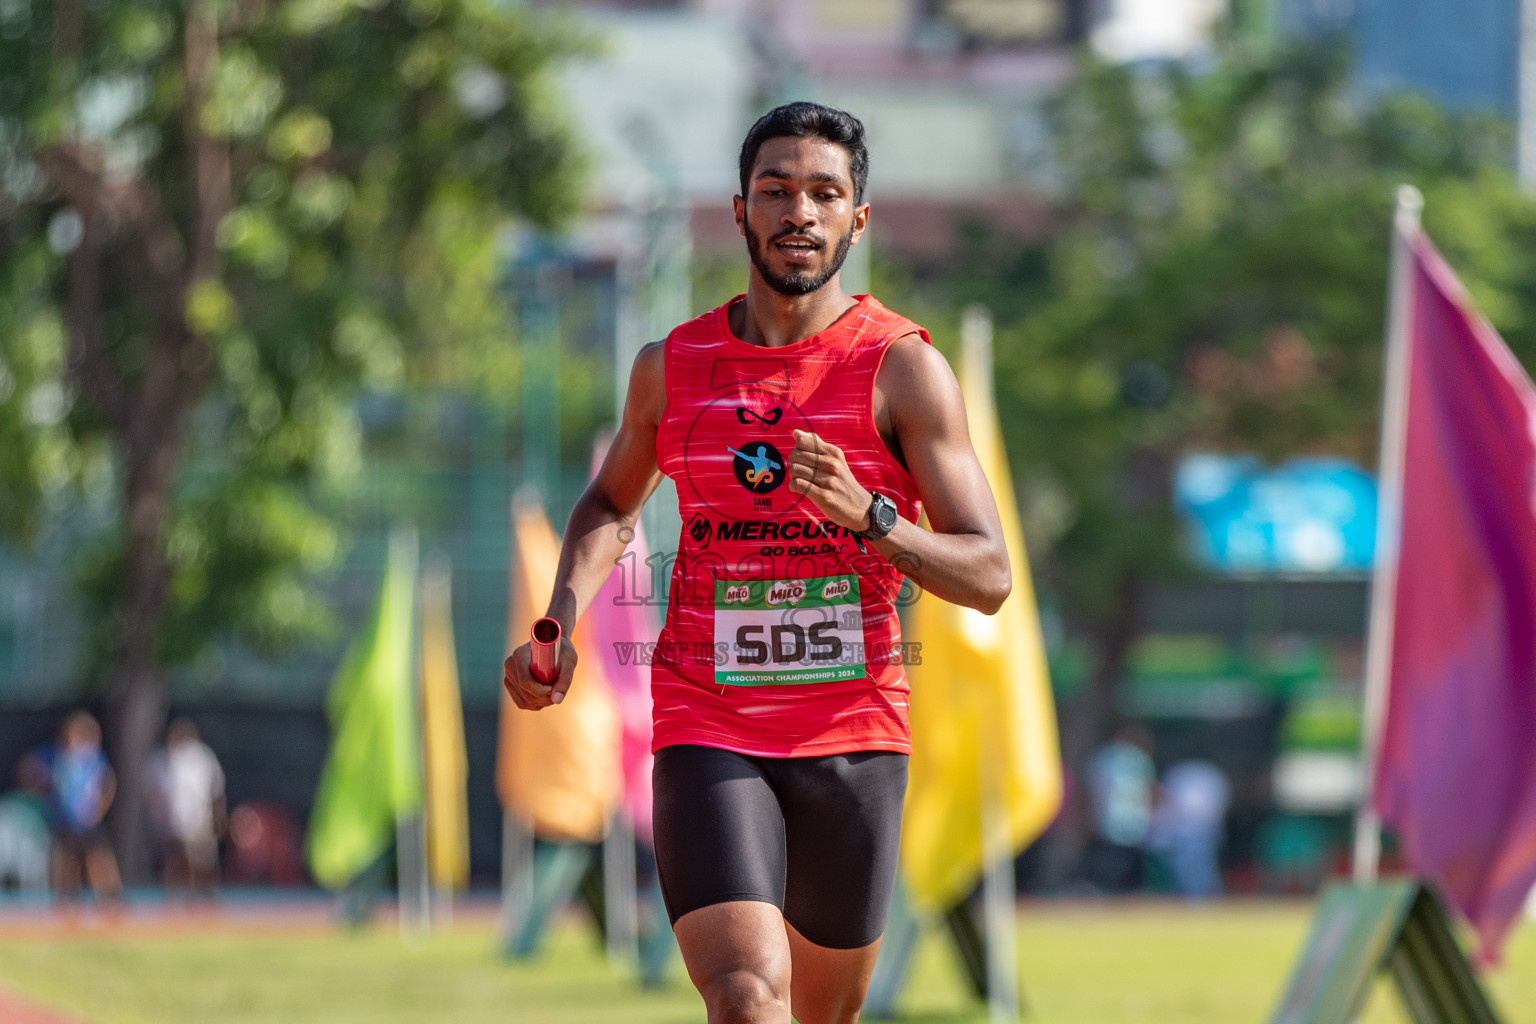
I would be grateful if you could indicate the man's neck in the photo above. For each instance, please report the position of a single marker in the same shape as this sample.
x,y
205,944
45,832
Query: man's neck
x,y
770,319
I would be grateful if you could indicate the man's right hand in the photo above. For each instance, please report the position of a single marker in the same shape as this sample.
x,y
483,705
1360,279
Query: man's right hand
x,y
526,691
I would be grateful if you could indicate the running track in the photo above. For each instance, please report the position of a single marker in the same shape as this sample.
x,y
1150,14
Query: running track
x,y
14,1011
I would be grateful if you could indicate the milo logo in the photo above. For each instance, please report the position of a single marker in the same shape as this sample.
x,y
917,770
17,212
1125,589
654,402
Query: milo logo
x,y
787,592
738,594
836,588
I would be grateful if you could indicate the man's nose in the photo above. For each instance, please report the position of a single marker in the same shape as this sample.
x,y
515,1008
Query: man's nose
x,y
802,211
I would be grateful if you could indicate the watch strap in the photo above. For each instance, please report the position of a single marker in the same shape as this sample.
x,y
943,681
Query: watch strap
x,y
875,532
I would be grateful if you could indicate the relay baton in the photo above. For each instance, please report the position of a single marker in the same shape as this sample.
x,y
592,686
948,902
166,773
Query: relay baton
x,y
545,660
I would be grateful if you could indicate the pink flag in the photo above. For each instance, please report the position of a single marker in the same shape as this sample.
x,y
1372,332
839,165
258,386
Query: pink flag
x,y
623,624
1456,777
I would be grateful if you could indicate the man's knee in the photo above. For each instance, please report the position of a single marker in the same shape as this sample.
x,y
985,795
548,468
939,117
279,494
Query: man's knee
x,y
744,997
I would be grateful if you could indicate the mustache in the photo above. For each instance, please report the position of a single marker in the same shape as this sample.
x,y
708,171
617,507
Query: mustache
x,y
820,241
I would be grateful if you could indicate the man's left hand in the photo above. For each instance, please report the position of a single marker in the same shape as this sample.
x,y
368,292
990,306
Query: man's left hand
x,y
819,470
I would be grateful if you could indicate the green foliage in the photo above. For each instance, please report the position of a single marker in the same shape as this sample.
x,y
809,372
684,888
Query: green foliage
x,y
1220,284
351,164
39,458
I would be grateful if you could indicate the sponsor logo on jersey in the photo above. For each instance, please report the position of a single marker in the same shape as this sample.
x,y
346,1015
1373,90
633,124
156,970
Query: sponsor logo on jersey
x,y
794,530
698,529
736,453
785,592
835,588
769,418
758,465
738,594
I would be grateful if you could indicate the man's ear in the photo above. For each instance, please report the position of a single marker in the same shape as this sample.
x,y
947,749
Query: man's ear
x,y
860,221
739,208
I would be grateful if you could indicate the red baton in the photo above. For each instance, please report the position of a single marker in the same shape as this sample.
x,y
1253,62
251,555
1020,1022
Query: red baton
x,y
545,660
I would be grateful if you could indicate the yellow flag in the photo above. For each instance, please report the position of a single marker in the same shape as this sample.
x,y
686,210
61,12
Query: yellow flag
x,y
557,768
442,735
983,719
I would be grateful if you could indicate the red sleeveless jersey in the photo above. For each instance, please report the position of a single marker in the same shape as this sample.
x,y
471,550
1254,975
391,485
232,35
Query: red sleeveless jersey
x,y
781,638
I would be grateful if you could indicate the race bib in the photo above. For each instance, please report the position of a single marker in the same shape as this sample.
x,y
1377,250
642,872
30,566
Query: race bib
x,y
783,632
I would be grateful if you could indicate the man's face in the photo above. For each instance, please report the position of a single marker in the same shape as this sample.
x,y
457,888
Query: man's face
x,y
798,215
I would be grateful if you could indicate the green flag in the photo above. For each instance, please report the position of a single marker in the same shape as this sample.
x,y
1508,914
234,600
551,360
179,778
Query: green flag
x,y
372,776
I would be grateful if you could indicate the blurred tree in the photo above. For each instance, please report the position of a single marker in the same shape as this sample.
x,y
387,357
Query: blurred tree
x,y
218,220
1219,284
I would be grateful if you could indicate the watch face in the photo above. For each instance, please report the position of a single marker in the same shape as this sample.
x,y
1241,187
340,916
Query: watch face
x,y
885,514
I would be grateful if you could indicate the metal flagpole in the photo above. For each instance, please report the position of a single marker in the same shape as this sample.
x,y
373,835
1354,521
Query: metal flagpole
x,y
1389,510
516,830
516,873
997,889
412,901
620,901
436,592
997,896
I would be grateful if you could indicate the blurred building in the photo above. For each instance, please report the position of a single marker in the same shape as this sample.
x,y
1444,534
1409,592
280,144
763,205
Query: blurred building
x,y
1465,53
1136,30
951,92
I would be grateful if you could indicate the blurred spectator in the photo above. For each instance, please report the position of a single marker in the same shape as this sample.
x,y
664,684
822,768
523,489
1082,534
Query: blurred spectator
x,y
81,788
1189,824
1121,779
264,845
24,838
186,803
1293,854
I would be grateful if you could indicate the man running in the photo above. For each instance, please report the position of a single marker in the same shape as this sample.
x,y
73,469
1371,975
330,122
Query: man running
x,y
779,686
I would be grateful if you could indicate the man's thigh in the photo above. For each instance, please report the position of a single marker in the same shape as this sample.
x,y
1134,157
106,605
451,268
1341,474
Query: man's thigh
x,y
719,831
827,986
842,818
817,837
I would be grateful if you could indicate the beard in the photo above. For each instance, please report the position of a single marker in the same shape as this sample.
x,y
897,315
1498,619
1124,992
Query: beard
x,y
796,282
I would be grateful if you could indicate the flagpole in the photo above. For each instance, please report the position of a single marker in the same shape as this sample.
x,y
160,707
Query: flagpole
x,y
1389,508
997,887
410,832
620,902
997,896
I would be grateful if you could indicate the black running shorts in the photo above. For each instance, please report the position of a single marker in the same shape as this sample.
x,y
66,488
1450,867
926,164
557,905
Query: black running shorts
x,y
815,836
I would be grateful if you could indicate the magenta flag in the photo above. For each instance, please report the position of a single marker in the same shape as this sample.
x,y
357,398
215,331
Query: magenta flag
x,y
624,623
1456,778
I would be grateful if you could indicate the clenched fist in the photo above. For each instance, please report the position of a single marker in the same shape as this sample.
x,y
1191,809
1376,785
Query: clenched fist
x,y
526,691
819,470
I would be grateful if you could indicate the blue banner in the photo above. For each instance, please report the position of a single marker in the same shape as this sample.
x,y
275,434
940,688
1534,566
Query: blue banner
x,y
1307,515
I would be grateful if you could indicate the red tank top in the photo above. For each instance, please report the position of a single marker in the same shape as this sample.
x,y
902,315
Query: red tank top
x,y
781,638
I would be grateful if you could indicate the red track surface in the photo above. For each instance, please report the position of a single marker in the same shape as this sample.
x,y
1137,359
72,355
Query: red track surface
x,y
257,917
14,1011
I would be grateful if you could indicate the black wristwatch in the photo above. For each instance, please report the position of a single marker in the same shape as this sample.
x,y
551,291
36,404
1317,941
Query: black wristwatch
x,y
882,517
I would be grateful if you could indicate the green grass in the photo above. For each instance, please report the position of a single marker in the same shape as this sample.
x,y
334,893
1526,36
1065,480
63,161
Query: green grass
x,y
1082,964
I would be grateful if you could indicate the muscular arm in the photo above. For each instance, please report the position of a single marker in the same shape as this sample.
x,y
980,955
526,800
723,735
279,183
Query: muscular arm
x,y
611,502
963,559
